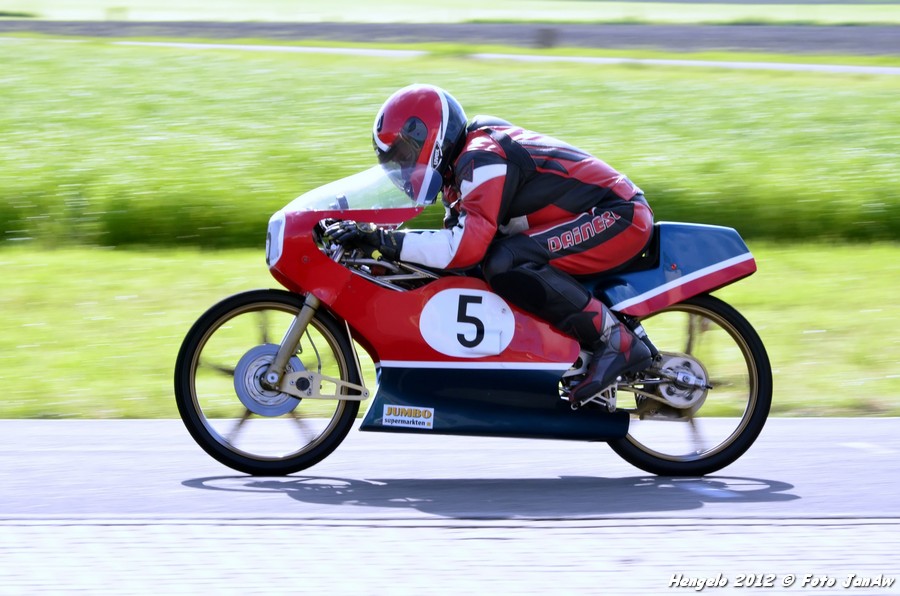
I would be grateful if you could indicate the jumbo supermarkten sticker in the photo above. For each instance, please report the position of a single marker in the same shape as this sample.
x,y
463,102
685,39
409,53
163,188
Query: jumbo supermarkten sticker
x,y
408,416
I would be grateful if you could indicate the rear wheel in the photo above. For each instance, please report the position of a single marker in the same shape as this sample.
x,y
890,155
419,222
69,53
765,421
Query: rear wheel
x,y
708,339
232,415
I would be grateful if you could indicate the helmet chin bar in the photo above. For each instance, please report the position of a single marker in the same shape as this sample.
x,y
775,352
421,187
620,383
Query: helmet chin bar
x,y
432,182
422,183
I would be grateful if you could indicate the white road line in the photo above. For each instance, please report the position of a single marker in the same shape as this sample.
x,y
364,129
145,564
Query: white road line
x,y
286,49
385,53
871,448
785,66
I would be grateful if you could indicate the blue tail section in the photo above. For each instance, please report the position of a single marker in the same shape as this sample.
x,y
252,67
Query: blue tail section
x,y
683,260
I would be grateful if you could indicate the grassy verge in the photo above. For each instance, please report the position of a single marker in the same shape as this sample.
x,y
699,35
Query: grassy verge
x,y
118,145
461,11
93,333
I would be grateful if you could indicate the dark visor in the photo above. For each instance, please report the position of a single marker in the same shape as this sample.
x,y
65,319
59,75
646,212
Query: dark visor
x,y
400,161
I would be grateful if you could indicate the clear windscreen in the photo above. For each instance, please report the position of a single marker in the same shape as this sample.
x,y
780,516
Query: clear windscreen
x,y
369,189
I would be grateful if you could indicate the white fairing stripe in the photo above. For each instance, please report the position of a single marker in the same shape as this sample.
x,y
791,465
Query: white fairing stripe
x,y
437,248
558,366
681,281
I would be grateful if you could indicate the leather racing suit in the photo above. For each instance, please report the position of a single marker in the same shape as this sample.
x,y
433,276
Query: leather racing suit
x,y
534,211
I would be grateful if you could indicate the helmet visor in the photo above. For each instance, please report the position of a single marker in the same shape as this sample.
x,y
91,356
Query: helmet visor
x,y
420,182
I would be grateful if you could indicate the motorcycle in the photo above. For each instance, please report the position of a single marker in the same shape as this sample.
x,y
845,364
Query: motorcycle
x,y
270,382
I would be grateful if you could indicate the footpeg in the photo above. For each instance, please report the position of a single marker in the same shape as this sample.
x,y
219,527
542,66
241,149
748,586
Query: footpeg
x,y
606,399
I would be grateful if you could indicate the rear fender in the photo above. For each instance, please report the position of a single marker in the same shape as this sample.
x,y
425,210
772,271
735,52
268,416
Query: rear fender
x,y
684,260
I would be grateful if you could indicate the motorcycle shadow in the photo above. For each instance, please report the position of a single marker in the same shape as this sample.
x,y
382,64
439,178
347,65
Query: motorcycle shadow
x,y
565,497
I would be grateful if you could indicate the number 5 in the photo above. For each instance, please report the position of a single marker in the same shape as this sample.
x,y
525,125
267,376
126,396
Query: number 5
x,y
462,316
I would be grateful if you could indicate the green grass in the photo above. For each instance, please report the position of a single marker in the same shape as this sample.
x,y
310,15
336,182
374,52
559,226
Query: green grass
x,y
93,333
118,145
460,11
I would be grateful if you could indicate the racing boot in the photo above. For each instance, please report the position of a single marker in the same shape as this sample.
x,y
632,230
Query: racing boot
x,y
617,351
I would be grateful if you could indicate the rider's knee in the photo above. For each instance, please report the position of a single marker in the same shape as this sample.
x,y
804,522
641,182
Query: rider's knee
x,y
499,259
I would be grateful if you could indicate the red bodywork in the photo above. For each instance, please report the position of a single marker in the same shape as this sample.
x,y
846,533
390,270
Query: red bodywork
x,y
386,322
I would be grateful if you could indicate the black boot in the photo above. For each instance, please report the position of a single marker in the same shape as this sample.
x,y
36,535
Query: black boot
x,y
617,351
620,353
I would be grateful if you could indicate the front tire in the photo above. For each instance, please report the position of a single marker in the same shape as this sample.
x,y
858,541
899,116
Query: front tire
x,y
693,442
241,424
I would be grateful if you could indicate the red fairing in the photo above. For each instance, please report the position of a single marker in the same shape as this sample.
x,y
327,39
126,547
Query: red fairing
x,y
387,322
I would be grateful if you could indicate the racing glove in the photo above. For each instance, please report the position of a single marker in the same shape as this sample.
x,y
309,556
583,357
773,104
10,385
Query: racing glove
x,y
350,233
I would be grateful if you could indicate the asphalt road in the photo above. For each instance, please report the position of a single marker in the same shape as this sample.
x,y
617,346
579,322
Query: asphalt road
x,y
830,40
123,507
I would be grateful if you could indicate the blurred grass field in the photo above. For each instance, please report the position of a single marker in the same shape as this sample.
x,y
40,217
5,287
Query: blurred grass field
x,y
583,11
165,150
125,145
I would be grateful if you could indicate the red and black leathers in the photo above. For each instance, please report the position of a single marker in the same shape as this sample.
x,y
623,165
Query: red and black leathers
x,y
533,211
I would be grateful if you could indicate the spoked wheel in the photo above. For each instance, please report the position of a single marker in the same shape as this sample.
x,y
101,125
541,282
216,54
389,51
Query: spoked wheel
x,y
232,415
722,396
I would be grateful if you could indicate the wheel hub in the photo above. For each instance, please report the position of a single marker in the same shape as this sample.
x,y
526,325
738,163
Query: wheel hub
x,y
690,381
249,376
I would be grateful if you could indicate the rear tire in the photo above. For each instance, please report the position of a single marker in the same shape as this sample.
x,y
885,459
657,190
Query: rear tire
x,y
735,409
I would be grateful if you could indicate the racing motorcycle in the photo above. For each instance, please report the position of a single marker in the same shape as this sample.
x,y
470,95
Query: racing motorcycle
x,y
269,382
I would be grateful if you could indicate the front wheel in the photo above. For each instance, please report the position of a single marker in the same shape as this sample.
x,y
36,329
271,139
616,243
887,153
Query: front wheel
x,y
234,417
713,431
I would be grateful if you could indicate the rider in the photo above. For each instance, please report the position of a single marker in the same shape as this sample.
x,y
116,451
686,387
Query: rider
x,y
533,211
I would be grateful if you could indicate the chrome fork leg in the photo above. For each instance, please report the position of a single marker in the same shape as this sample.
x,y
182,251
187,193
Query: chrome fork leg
x,y
291,340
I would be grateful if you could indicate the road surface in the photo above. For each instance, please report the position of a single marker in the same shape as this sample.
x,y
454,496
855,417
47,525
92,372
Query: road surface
x,y
872,40
134,506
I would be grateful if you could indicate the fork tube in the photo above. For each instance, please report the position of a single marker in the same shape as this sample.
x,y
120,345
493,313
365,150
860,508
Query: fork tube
x,y
291,340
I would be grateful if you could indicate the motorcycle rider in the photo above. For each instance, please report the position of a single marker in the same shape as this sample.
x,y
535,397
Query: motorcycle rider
x,y
531,210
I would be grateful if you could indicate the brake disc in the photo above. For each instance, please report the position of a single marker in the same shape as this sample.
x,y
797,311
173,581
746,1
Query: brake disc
x,y
248,385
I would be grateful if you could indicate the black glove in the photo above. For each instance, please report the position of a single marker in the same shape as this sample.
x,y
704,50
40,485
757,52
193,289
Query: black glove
x,y
350,233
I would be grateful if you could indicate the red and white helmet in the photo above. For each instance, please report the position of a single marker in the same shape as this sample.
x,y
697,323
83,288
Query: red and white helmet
x,y
417,134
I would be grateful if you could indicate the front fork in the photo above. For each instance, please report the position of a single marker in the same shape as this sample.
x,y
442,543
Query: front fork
x,y
305,383
291,340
